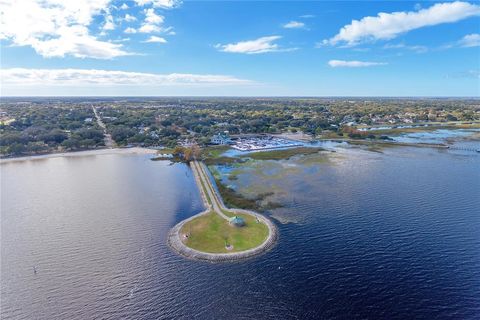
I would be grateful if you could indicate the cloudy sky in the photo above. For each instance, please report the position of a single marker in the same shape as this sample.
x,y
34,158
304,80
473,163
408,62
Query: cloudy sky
x,y
168,47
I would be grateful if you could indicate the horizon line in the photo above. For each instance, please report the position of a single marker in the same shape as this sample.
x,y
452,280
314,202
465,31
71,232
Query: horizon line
x,y
234,96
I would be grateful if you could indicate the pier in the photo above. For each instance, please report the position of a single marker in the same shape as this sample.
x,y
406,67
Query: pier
x,y
214,204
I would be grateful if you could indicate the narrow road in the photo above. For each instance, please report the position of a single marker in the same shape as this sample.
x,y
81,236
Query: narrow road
x,y
217,204
109,142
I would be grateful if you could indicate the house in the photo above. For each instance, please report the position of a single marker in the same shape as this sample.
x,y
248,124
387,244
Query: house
x,y
221,138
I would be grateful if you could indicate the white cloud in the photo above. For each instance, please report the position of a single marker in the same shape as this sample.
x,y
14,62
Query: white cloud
x,y
260,45
57,28
164,4
294,25
152,17
121,40
169,31
152,22
307,16
415,48
470,40
109,25
124,6
149,28
389,25
129,18
155,39
130,30
92,77
79,46
353,63
472,74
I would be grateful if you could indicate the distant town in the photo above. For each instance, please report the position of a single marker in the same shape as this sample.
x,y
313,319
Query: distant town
x,y
31,126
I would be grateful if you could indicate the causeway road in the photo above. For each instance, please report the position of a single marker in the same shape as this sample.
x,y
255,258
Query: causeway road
x,y
206,186
213,201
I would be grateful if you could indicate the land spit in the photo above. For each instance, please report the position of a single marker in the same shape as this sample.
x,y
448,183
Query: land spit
x,y
175,238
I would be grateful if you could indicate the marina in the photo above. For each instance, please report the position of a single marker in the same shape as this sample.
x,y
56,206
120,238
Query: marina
x,y
263,143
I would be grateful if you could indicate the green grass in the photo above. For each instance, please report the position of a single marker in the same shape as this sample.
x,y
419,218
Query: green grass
x,y
282,154
233,199
210,233
205,192
221,161
165,151
228,213
214,151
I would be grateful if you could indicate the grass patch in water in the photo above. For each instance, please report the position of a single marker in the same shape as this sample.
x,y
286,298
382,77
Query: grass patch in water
x,y
282,154
214,151
211,233
221,161
233,199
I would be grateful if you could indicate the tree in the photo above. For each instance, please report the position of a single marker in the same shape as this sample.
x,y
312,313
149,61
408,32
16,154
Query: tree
x,y
93,134
36,147
71,143
188,154
179,150
121,133
54,136
16,149
196,151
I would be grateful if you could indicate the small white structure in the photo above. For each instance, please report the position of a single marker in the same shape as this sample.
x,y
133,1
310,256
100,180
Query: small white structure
x,y
221,138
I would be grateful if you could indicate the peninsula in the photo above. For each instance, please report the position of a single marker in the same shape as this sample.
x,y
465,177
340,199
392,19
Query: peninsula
x,y
219,233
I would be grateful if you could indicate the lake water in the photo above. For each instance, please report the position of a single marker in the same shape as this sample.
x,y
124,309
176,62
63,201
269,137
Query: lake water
x,y
392,235
436,136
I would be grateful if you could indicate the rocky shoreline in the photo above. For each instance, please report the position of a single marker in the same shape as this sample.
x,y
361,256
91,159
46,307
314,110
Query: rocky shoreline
x,y
176,243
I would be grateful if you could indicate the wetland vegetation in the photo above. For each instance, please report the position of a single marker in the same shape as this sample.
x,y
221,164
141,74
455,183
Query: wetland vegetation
x,y
282,153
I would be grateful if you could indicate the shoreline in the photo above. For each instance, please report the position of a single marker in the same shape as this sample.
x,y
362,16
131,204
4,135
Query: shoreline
x,y
175,240
103,151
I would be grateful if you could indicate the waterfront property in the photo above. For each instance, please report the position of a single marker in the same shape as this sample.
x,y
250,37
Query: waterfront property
x,y
221,139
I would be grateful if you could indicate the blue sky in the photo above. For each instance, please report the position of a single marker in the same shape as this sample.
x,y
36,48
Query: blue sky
x,y
242,48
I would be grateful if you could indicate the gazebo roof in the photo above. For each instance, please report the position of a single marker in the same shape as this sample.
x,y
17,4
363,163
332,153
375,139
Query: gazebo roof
x,y
237,221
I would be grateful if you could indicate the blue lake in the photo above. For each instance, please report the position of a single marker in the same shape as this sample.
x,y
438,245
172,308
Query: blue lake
x,y
364,235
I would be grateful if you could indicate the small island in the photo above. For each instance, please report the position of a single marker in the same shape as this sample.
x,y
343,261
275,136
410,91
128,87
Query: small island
x,y
220,233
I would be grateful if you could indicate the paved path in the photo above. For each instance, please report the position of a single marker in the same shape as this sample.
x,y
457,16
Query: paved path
x,y
109,142
217,205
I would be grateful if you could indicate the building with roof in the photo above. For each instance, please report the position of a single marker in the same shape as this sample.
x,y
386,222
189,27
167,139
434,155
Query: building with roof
x,y
221,139
237,221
